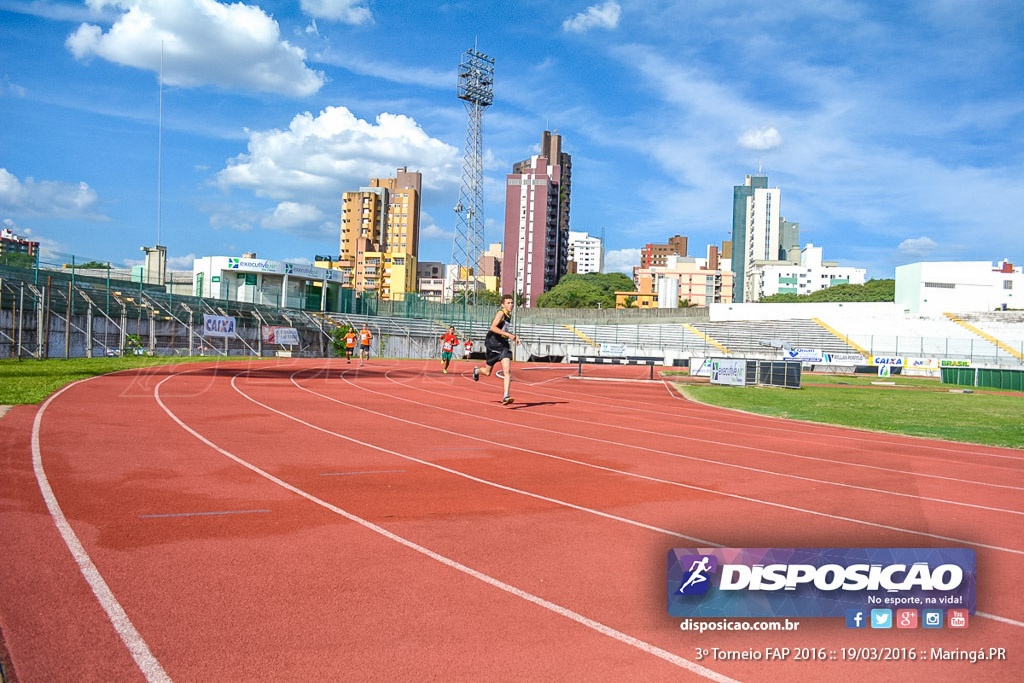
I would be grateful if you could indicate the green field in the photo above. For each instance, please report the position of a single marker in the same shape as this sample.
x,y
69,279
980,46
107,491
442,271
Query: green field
x,y
31,381
915,406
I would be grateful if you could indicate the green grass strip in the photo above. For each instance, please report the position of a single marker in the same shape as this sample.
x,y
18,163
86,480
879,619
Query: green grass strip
x,y
930,410
31,381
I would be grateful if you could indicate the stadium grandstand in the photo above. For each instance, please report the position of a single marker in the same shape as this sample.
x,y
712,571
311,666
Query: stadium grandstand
x,y
91,315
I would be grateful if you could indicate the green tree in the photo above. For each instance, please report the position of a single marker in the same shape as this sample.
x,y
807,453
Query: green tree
x,y
872,290
338,339
484,297
586,291
92,265
18,260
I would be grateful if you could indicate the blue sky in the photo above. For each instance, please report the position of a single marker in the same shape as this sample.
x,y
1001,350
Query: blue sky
x,y
895,130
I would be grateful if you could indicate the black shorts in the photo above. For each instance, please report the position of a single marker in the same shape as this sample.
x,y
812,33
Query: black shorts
x,y
496,353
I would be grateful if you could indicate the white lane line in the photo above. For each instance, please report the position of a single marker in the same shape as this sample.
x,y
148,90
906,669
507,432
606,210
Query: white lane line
x,y
813,458
1005,620
131,638
448,562
695,458
587,464
763,422
200,514
598,467
348,474
787,432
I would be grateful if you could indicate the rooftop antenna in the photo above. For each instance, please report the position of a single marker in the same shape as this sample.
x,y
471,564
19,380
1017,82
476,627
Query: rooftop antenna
x,y
476,90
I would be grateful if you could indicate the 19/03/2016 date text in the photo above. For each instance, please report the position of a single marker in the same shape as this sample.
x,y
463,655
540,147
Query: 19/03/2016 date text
x,y
852,654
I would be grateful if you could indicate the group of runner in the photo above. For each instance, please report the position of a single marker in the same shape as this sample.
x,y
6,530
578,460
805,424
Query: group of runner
x,y
497,347
364,337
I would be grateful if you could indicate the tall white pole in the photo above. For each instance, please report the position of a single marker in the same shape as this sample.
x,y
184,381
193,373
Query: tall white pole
x,y
160,145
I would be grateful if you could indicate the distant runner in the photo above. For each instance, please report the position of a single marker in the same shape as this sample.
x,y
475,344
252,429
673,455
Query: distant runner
x,y
497,347
448,343
350,344
469,348
364,342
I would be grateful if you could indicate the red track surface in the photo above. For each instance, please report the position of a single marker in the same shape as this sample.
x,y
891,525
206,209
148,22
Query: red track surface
x,y
314,520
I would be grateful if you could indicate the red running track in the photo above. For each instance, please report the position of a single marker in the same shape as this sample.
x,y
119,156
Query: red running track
x,y
316,520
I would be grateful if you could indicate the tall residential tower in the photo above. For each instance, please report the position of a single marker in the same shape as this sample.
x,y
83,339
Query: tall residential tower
x,y
537,201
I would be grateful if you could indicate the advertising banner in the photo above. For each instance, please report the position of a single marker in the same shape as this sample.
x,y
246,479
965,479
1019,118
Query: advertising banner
x,y
803,355
218,326
279,334
613,349
729,371
700,367
922,363
844,359
818,582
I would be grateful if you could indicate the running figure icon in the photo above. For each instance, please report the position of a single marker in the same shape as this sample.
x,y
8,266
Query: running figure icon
x,y
697,573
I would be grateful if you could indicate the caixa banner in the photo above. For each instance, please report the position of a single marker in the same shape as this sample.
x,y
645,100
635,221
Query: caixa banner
x,y
816,582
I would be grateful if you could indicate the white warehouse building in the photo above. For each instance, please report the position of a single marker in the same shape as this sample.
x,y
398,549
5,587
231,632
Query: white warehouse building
x,y
262,281
937,287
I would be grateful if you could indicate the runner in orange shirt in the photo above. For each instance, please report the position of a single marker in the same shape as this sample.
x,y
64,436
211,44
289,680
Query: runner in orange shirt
x,y
364,343
448,343
350,344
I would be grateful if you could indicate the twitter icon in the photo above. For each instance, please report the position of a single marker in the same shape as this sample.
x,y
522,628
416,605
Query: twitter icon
x,y
881,618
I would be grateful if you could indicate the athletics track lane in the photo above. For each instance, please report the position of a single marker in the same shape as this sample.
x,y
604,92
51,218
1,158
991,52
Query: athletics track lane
x,y
603,568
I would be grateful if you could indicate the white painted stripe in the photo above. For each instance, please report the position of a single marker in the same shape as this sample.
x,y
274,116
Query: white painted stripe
x,y
1011,622
819,429
448,562
347,474
200,514
787,432
696,458
140,652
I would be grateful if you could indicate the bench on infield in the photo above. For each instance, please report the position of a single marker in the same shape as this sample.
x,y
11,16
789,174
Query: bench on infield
x,y
617,360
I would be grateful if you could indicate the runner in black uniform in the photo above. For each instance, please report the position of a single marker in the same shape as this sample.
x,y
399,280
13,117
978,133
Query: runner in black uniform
x,y
497,348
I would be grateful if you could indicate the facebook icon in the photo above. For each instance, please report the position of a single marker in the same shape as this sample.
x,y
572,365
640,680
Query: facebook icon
x,y
856,618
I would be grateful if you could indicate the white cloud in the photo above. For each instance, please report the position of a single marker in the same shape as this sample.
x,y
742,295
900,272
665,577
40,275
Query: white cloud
x,y
344,11
916,248
596,16
225,216
47,198
396,73
621,261
204,43
760,138
319,157
432,232
11,88
288,215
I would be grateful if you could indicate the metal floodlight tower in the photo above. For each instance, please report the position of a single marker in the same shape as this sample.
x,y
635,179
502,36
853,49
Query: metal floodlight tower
x,y
476,89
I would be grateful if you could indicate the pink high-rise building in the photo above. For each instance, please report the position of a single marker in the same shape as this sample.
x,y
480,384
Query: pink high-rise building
x,y
537,222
